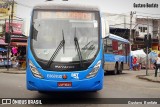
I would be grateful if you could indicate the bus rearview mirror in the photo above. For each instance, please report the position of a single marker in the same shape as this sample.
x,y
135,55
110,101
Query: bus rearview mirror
x,y
105,28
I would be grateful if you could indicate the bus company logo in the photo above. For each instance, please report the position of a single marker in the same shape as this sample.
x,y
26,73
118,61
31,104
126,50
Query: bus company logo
x,y
75,75
64,76
63,66
116,58
54,76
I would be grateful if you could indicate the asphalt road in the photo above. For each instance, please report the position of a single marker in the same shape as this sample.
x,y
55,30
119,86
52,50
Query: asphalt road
x,y
125,85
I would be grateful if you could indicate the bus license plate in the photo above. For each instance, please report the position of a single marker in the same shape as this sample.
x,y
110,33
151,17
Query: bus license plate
x,y
64,84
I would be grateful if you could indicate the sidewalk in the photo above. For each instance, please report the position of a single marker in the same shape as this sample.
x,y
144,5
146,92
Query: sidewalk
x,y
12,71
150,77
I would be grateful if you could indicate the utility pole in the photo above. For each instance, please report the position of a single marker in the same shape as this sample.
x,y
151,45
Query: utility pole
x,y
12,12
124,21
130,36
147,46
8,44
10,31
131,16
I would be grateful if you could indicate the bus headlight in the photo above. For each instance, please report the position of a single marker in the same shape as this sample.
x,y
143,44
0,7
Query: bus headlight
x,y
95,70
34,70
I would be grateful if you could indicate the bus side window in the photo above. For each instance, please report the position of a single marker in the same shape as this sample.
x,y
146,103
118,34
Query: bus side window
x,y
124,49
108,46
127,49
115,46
105,45
120,48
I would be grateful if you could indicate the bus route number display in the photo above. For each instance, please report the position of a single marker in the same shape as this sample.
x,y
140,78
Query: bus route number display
x,y
66,15
75,15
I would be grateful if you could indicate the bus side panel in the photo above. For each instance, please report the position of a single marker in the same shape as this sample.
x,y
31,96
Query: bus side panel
x,y
112,59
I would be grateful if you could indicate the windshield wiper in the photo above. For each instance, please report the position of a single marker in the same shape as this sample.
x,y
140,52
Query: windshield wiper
x,y
78,49
61,44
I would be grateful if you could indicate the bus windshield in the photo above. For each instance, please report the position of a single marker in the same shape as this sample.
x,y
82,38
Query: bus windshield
x,y
49,28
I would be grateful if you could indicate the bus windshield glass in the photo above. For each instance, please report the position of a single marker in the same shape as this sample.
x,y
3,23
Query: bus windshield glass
x,y
49,28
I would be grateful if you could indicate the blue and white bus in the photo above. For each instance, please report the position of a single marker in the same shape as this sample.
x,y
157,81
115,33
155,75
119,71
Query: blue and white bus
x,y
65,48
116,54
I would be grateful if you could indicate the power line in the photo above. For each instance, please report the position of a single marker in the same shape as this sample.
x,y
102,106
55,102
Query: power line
x,y
139,14
23,5
18,17
147,13
149,17
133,24
116,14
120,24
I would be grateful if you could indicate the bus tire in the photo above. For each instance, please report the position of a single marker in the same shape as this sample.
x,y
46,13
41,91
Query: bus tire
x,y
115,69
42,92
93,91
120,69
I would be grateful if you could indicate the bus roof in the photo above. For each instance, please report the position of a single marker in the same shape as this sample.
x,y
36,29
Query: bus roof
x,y
118,38
65,6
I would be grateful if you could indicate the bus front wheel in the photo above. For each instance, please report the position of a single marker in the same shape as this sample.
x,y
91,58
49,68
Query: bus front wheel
x,y
115,69
42,92
120,69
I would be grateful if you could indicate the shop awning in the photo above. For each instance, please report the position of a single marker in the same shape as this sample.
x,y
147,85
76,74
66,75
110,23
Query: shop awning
x,y
18,44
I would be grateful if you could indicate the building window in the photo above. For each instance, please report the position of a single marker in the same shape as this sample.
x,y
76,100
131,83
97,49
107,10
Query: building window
x,y
143,29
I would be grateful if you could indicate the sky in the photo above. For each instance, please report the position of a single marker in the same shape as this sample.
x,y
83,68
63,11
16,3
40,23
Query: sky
x,y
108,6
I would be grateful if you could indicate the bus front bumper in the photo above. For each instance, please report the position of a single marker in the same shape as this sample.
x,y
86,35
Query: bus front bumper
x,y
91,84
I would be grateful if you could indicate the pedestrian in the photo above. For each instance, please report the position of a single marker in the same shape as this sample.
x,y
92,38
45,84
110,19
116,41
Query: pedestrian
x,y
157,65
18,61
14,50
135,64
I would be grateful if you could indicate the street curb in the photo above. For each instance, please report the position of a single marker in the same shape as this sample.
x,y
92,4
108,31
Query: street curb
x,y
10,72
13,71
145,78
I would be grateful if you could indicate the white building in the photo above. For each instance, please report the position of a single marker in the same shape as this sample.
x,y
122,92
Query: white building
x,y
120,20
141,25
144,24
